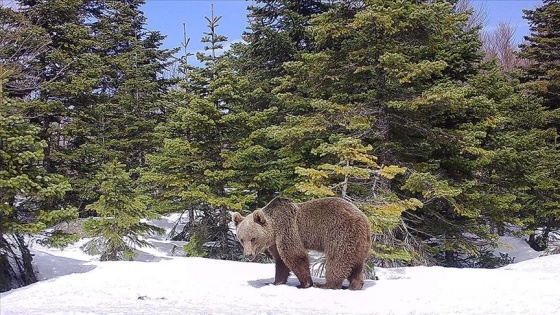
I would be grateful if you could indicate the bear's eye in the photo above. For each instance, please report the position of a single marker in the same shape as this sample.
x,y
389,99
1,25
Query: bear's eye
x,y
253,240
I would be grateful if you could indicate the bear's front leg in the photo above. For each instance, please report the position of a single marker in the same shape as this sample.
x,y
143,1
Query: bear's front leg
x,y
301,270
282,271
298,262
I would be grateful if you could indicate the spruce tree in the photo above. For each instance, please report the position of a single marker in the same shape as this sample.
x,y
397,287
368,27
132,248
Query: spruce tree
x,y
103,81
398,78
276,33
20,43
26,192
119,228
117,116
541,78
275,36
20,77
191,171
541,49
132,66
29,195
63,67
68,90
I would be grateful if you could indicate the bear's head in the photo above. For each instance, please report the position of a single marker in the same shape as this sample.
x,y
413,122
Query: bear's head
x,y
254,232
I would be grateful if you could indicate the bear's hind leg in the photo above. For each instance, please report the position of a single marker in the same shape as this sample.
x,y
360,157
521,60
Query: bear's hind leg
x,y
356,277
335,274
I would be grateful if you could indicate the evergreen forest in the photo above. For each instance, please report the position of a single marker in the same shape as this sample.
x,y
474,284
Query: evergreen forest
x,y
397,106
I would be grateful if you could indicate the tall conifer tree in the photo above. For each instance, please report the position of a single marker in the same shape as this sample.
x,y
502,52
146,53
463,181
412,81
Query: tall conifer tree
x,y
29,194
398,78
64,68
27,191
541,77
276,35
103,74
191,171
542,50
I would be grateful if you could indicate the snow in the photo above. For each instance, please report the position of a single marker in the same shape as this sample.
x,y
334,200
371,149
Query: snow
x,y
158,283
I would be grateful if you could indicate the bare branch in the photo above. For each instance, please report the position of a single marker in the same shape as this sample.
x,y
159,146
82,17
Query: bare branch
x,y
20,44
499,44
477,18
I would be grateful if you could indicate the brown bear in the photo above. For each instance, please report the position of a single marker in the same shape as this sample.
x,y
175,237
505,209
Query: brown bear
x,y
287,230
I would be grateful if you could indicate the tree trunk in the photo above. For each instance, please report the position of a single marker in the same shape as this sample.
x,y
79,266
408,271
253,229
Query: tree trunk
x,y
191,217
537,243
501,230
450,260
345,183
224,228
15,263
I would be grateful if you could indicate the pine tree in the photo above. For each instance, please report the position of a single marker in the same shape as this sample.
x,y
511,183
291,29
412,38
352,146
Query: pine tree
x,y
541,49
119,228
26,191
29,195
69,83
20,43
100,101
404,79
132,68
541,77
63,67
276,35
117,116
25,184
23,42
191,171
103,82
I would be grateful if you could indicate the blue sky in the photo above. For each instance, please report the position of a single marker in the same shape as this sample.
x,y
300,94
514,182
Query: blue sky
x,y
168,16
509,11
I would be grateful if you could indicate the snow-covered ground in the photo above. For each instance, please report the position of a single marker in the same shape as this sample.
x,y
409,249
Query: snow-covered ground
x,y
158,283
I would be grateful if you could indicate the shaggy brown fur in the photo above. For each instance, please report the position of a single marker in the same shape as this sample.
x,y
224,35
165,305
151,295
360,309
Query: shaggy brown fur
x,y
287,230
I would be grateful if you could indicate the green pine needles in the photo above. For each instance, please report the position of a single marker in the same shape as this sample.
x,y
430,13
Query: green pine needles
x,y
28,194
388,104
119,227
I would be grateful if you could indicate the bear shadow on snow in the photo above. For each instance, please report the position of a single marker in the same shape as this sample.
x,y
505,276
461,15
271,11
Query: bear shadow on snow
x,y
293,282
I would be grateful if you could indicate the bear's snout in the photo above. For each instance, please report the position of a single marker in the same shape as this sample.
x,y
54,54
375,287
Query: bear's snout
x,y
251,257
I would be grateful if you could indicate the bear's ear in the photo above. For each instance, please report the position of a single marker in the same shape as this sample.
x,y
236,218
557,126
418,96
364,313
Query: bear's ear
x,y
259,218
237,218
